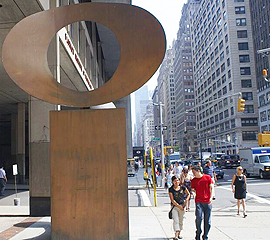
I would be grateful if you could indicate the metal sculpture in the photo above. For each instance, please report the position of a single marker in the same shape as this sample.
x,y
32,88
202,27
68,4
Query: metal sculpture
x,y
139,34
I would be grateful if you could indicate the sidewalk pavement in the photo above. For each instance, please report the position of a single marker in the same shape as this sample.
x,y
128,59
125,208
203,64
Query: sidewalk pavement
x,y
152,223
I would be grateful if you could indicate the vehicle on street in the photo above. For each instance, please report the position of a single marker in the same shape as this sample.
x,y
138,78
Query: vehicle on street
x,y
229,161
217,156
256,161
219,171
130,167
174,157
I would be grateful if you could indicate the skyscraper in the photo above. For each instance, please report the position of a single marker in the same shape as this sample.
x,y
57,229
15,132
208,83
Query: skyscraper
x,y
260,13
140,95
223,60
166,95
184,85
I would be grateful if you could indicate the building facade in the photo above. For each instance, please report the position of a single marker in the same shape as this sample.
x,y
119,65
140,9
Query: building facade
x,y
166,92
148,127
140,108
184,85
24,120
223,62
260,13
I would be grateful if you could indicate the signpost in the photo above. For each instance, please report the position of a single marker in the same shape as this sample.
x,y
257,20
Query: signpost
x,y
15,173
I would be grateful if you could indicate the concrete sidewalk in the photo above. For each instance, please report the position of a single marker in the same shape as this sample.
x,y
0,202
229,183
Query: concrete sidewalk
x,y
152,223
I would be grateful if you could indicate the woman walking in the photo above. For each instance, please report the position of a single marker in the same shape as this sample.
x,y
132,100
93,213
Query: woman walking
x,y
185,180
239,188
179,196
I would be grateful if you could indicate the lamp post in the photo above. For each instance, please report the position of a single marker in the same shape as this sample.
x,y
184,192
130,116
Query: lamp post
x,y
161,142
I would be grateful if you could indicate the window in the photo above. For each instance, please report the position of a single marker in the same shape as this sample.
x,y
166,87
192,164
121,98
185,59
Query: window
x,y
240,10
226,113
241,22
262,100
245,71
230,86
227,50
214,86
218,72
221,56
242,34
216,118
228,62
219,83
244,58
226,38
268,114
249,122
224,15
232,111
233,123
229,74
249,135
221,45
223,67
223,78
243,46
264,128
219,94
249,109
225,27
247,95
239,0
224,90
221,116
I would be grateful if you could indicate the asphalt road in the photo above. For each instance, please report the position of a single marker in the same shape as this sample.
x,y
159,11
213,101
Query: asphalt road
x,y
258,191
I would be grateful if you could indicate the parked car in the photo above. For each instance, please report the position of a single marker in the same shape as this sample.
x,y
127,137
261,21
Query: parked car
x,y
229,161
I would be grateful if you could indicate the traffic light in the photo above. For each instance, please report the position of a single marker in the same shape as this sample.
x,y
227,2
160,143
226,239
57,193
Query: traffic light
x,y
265,73
241,105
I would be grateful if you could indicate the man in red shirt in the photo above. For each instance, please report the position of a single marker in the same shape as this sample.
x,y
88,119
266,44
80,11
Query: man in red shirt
x,y
202,185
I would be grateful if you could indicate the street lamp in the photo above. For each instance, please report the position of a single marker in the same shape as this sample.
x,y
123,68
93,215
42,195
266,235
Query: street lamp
x,y
161,143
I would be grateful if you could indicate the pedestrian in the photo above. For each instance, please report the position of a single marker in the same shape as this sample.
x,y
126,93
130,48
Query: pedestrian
x,y
179,195
169,178
3,180
190,173
177,171
202,185
239,188
136,167
209,169
185,180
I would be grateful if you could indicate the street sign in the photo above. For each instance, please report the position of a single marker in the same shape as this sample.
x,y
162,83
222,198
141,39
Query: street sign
x,y
158,127
156,139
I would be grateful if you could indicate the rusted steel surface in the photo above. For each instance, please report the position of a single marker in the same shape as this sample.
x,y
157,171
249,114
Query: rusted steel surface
x,y
89,175
139,34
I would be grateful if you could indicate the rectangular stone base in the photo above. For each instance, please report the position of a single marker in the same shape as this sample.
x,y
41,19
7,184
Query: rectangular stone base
x,y
89,175
40,206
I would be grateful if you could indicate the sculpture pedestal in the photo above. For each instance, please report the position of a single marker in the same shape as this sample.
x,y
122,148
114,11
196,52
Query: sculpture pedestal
x,y
89,198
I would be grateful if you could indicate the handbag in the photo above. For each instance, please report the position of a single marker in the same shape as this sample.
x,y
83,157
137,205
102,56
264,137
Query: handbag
x,y
170,213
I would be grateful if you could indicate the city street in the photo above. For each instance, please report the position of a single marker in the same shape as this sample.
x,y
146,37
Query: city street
x,y
149,222
225,223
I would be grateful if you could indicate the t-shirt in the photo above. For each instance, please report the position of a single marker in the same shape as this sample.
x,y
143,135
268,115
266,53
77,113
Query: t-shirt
x,y
202,187
179,196
2,173
177,171
209,170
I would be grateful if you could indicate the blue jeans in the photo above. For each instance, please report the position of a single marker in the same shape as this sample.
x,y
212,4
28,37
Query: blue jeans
x,y
203,211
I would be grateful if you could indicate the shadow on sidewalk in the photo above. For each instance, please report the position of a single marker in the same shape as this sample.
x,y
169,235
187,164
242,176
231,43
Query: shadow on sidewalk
x,y
153,238
45,225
